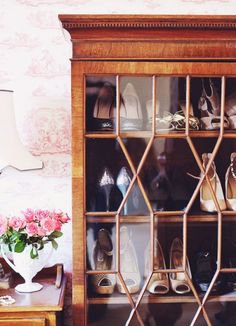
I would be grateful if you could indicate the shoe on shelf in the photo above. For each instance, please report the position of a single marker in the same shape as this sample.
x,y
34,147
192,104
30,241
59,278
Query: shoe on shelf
x,y
164,122
104,108
128,263
160,186
106,184
103,260
206,201
131,117
159,282
230,184
206,265
123,181
212,99
178,281
209,105
205,270
230,106
179,118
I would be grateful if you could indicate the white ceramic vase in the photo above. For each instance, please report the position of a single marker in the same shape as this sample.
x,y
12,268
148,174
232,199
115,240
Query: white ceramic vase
x,y
27,267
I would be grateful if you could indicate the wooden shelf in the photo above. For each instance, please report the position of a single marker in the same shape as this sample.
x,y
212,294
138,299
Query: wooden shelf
x,y
197,218
164,134
117,298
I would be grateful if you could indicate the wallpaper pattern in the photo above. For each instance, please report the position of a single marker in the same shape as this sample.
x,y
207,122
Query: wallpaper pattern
x,y
34,62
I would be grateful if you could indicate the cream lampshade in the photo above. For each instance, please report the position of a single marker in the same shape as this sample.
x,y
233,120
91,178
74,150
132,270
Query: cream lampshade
x,y
12,151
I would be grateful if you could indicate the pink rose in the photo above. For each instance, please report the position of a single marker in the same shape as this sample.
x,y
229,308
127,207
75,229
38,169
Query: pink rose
x,y
29,215
32,228
48,224
41,214
17,223
41,232
62,217
3,225
57,225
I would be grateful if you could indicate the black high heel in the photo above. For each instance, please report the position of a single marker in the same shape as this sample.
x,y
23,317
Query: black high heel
x,y
104,109
106,183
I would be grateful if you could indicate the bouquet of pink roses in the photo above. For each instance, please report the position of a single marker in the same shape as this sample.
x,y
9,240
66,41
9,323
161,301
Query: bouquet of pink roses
x,y
33,227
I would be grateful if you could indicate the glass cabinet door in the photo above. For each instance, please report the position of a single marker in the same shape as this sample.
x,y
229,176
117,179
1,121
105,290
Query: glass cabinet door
x,y
160,181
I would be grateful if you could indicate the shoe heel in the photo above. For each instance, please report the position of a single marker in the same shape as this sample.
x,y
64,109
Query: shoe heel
x,y
106,189
123,189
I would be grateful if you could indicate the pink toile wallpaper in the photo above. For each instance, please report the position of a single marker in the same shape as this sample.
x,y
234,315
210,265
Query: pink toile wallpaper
x,y
34,62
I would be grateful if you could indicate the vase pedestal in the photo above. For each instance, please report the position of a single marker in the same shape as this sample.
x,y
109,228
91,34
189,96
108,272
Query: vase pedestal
x,y
28,287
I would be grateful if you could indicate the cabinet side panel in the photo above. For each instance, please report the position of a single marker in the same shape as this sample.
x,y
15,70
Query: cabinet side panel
x,y
79,247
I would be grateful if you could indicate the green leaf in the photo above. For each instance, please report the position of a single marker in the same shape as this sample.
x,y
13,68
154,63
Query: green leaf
x,y
56,234
41,245
34,253
54,244
20,246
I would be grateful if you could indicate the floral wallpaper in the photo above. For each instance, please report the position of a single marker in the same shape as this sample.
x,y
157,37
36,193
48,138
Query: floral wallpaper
x,y
34,62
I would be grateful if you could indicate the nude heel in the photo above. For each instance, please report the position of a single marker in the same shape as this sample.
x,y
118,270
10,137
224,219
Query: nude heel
x,y
230,184
178,281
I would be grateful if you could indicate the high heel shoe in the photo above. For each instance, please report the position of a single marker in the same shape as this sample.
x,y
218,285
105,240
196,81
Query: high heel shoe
x,y
178,281
106,183
230,184
206,202
206,267
209,105
159,282
131,117
103,260
123,181
104,109
128,263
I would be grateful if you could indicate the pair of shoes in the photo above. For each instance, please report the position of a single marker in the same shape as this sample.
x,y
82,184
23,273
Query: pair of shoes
x,y
159,282
104,108
206,202
209,105
169,121
106,184
102,259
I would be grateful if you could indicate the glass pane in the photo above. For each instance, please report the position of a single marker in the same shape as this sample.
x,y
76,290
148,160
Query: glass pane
x,y
136,96
164,174
206,102
100,103
103,164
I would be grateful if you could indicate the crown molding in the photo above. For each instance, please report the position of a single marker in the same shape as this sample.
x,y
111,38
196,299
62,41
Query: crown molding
x,y
147,22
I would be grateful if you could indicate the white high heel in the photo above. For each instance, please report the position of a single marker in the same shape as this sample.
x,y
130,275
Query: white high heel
x,y
131,116
159,282
230,184
178,281
128,263
206,202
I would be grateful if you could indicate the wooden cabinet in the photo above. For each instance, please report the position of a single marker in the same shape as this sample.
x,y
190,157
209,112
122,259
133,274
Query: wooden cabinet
x,y
154,128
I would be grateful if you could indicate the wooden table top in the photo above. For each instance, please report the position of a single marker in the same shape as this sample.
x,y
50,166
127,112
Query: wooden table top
x,y
49,298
